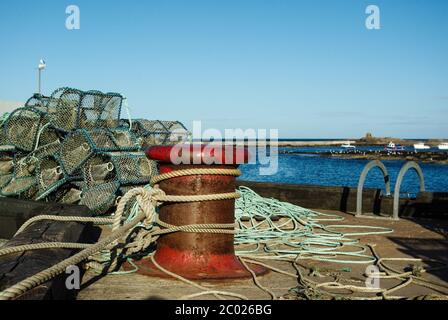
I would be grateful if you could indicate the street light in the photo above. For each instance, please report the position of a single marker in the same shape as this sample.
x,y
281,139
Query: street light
x,y
42,65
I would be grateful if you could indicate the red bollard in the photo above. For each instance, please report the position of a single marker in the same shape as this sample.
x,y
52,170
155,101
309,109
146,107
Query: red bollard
x,y
198,255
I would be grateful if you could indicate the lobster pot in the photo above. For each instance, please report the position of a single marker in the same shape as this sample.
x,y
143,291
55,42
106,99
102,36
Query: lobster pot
x,y
70,196
100,198
5,179
155,132
133,167
75,151
99,169
25,164
150,132
38,102
68,193
23,126
6,167
178,132
128,168
48,135
124,140
6,162
3,137
79,146
71,109
49,175
20,187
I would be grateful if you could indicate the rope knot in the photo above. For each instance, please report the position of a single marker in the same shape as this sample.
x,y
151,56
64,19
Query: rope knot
x,y
157,195
417,270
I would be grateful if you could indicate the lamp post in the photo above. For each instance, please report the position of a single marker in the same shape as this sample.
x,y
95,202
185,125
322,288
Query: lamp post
x,y
42,65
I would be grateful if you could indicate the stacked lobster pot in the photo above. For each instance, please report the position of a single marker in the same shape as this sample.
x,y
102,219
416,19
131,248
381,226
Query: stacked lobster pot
x,y
73,147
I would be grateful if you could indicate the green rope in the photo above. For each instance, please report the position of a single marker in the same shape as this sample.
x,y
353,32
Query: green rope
x,y
299,233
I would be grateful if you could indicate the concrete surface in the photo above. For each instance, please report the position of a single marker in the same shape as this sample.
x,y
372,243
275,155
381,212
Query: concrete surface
x,y
422,238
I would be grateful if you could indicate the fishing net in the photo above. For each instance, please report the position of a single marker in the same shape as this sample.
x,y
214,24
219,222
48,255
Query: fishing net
x,y
50,175
124,167
23,126
38,102
155,132
48,135
25,164
72,147
178,132
99,170
6,167
68,193
6,163
71,109
100,198
80,145
3,138
21,187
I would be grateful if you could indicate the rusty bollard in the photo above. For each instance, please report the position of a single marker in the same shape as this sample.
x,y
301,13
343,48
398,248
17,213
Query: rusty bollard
x,y
198,255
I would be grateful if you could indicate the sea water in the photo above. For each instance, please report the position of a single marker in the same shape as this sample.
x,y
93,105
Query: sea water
x,y
315,169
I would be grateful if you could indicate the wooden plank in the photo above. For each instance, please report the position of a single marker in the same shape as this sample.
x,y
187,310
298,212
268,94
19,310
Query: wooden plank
x,y
16,267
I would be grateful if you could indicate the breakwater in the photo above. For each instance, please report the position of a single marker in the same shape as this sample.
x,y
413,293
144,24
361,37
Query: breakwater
x,y
433,156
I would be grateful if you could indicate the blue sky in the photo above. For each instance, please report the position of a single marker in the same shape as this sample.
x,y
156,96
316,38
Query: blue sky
x,y
308,68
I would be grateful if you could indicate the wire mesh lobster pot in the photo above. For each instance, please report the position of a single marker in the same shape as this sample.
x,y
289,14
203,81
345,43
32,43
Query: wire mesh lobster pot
x,y
128,168
6,162
20,187
3,138
48,135
156,132
100,198
72,147
67,193
25,164
50,175
80,145
71,109
178,132
23,126
38,102
6,167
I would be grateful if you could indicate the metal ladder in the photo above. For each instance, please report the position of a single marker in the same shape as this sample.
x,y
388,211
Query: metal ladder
x,y
404,169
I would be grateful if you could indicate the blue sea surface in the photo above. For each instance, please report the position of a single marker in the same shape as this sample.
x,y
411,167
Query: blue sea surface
x,y
328,171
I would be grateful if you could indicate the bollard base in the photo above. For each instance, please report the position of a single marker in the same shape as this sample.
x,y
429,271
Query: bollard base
x,y
191,266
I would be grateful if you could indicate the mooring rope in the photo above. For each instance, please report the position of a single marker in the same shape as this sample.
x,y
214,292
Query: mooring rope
x,y
147,201
147,212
